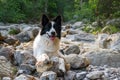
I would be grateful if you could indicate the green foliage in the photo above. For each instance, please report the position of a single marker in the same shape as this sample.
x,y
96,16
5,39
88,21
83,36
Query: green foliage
x,y
107,29
13,31
31,10
86,11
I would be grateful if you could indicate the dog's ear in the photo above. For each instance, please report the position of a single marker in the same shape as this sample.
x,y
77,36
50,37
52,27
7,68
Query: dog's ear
x,y
45,20
58,20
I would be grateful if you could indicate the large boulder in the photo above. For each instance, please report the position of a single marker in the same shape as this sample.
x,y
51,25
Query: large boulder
x,y
103,57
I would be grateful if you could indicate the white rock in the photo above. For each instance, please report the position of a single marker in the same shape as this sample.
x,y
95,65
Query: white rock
x,y
95,75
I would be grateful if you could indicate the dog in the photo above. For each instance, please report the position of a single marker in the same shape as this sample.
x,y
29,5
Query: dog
x,y
47,42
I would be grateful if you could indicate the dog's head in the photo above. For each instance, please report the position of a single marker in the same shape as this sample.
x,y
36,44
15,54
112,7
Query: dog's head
x,y
51,29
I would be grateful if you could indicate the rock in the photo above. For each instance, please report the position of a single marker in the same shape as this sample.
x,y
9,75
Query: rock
x,y
81,75
8,53
103,57
54,64
23,37
48,75
11,41
24,77
24,57
35,31
72,50
5,67
114,22
103,41
78,24
76,62
79,62
1,37
27,68
70,75
64,33
114,41
95,75
83,37
6,78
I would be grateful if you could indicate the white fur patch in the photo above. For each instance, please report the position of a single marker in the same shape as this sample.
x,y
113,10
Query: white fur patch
x,y
43,45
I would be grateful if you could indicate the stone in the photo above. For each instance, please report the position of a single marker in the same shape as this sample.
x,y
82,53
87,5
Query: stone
x,y
55,64
6,78
6,68
84,37
79,62
78,24
76,61
114,22
27,68
11,41
74,49
102,41
1,37
22,56
24,77
81,75
8,53
95,75
70,75
103,57
114,41
48,75
23,37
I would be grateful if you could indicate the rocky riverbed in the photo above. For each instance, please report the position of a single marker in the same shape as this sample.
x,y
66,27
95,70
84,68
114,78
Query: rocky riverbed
x,y
92,57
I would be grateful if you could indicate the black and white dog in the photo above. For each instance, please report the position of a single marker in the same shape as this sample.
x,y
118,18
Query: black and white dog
x,y
46,43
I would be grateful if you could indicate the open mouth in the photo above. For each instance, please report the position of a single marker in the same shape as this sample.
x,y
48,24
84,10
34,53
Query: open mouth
x,y
52,37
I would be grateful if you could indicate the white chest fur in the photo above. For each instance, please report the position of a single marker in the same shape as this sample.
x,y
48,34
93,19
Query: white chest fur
x,y
43,45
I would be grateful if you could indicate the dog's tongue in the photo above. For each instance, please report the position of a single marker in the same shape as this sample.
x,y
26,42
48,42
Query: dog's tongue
x,y
52,38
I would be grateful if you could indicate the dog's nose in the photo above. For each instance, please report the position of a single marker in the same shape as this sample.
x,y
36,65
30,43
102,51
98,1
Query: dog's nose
x,y
53,33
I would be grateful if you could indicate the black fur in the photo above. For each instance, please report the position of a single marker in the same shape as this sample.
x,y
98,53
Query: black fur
x,y
46,25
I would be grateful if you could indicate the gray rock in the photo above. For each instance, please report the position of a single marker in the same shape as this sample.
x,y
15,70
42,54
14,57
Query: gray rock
x,y
72,50
79,62
23,37
27,68
24,57
81,75
11,41
102,41
114,22
24,77
95,75
5,67
48,75
115,41
8,53
84,37
70,75
103,57
78,24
